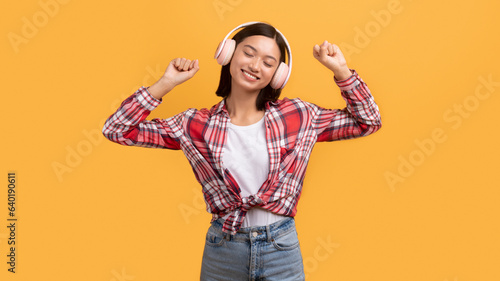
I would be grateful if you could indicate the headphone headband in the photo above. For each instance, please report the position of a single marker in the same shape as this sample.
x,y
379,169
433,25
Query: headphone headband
x,y
288,49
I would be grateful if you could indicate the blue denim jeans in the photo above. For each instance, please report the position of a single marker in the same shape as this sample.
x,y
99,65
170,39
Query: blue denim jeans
x,y
254,253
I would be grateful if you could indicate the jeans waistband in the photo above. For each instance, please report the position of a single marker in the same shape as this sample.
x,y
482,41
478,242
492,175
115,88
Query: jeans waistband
x,y
267,232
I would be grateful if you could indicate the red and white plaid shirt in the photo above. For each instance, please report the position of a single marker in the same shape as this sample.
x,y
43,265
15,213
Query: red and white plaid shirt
x,y
293,127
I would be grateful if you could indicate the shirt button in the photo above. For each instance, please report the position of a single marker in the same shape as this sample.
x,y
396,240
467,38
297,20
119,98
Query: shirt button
x,y
254,234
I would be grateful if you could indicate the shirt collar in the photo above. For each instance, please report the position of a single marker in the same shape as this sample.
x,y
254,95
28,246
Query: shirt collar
x,y
221,106
270,104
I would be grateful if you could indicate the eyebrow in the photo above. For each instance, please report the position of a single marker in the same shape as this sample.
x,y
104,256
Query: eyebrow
x,y
255,50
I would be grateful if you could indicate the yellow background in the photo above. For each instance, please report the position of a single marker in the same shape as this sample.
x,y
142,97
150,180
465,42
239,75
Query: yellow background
x,y
416,201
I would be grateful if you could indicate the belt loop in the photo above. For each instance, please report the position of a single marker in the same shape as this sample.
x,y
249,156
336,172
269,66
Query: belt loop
x,y
268,233
227,236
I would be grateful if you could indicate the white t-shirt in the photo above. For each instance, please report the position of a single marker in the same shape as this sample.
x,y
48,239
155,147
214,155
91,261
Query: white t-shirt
x,y
246,157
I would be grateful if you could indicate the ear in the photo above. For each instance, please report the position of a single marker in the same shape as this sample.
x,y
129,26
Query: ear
x,y
279,77
225,54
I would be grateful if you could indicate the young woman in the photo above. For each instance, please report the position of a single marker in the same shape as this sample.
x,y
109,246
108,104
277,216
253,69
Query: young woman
x,y
250,151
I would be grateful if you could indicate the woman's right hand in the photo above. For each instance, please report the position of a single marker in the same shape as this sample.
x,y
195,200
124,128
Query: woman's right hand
x,y
178,71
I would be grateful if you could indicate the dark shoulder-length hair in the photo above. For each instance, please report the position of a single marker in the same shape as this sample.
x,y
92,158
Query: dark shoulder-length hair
x,y
267,93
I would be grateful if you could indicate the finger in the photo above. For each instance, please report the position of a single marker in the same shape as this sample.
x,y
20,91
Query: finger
x,y
185,67
175,62
191,65
323,50
196,65
331,50
325,43
195,68
180,64
337,50
316,50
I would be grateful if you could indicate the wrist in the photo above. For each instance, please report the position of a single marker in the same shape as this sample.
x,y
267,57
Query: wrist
x,y
343,73
161,88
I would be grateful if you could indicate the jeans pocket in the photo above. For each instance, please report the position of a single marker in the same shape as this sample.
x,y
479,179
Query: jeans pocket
x,y
214,238
287,241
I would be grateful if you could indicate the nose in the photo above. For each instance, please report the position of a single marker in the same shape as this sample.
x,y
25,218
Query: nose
x,y
255,65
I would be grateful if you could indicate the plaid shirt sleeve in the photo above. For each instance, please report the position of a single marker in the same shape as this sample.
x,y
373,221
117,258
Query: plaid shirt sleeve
x,y
128,125
360,117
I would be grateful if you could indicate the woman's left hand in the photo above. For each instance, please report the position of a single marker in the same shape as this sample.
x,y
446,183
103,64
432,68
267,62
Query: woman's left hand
x,y
330,56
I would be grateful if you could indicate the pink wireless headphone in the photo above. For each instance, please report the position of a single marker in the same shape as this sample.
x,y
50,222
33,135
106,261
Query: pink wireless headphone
x,y
226,49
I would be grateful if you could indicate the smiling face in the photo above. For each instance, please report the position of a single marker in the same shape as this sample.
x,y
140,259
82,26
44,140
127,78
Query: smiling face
x,y
254,63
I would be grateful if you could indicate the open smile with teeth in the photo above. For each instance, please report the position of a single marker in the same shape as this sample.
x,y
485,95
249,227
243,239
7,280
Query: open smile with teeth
x,y
250,75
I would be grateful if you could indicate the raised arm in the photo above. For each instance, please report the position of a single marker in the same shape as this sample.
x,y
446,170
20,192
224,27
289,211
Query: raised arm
x,y
361,115
332,58
128,125
179,70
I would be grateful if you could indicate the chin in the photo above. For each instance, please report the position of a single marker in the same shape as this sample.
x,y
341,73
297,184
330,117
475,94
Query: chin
x,y
244,85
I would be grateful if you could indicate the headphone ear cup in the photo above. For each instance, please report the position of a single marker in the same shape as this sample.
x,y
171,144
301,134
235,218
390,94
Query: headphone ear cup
x,y
226,53
280,76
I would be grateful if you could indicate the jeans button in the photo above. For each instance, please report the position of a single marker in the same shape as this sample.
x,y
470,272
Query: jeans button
x,y
254,234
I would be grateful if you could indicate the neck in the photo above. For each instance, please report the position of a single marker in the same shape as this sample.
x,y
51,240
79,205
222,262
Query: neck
x,y
242,108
